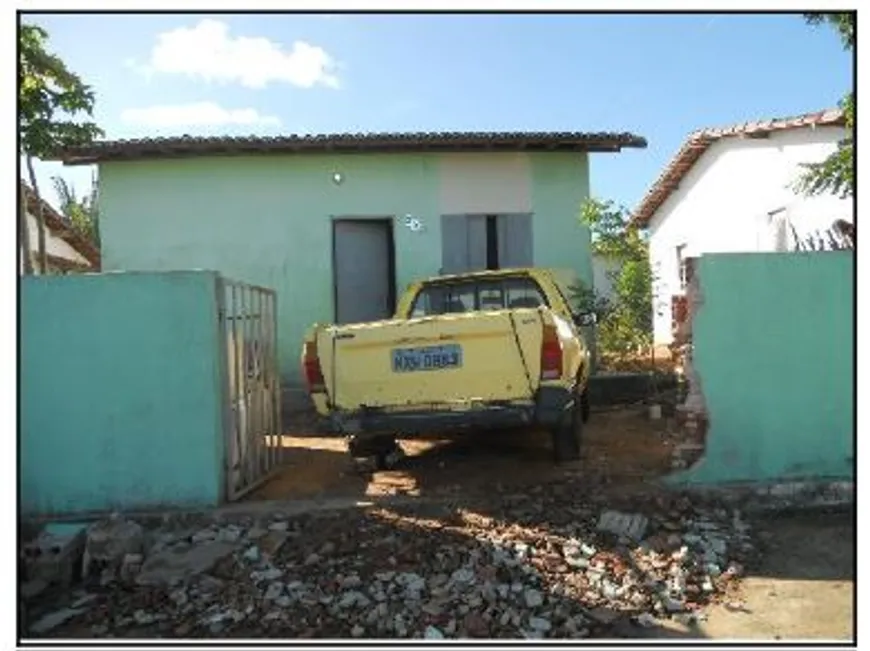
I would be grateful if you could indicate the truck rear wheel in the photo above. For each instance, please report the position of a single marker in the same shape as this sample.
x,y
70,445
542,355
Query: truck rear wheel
x,y
384,450
567,434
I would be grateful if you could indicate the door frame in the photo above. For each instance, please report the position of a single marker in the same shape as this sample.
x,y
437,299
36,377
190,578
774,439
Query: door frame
x,y
391,257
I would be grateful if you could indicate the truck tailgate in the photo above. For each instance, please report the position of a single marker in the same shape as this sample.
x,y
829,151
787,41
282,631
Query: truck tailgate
x,y
450,359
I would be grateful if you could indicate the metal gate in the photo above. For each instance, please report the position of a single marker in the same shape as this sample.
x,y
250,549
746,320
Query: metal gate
x,y
252,410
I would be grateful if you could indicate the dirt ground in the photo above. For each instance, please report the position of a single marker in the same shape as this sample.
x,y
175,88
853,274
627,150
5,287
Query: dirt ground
x,y
803,590
621,446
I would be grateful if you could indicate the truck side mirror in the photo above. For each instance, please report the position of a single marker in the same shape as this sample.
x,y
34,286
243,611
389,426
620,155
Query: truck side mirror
x,y
585,319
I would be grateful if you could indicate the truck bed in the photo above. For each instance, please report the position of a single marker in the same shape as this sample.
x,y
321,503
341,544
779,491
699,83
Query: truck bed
x,y
445,362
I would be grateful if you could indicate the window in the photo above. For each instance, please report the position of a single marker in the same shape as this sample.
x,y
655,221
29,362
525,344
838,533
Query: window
x,y
485,242
444,299
682,266
477,294
523,292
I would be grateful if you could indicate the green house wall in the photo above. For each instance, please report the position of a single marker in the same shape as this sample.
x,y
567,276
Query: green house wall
x,y
267,219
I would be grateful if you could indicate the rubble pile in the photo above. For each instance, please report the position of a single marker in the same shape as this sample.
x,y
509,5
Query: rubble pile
x,y
536,566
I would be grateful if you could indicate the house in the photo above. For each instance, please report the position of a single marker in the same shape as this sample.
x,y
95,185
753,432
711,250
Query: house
x,y
338,225
66,249
730,189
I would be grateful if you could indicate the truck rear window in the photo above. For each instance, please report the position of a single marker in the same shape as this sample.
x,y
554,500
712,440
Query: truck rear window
x,y
475,294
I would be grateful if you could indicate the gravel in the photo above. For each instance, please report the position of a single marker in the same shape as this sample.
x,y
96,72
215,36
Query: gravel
x,y
537,565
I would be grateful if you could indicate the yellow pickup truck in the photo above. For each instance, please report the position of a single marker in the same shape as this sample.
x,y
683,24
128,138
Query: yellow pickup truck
x,y
493,349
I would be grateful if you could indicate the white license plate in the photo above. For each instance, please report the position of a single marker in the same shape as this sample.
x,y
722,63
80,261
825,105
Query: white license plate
x,y
427,358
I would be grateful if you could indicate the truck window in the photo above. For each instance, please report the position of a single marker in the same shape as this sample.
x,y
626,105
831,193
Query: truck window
x,y
523,292
477,294
444,299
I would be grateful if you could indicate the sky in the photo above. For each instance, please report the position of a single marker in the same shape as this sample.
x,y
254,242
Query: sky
x,y
656,75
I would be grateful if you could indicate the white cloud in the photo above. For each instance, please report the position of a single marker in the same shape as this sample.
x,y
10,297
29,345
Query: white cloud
x,y
208,52
197,114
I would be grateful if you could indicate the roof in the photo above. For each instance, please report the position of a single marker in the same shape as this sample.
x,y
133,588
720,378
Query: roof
x,y
60,227
483,273
349,143
699,141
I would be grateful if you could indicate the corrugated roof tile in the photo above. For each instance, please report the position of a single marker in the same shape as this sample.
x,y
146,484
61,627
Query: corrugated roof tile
x,y
188,145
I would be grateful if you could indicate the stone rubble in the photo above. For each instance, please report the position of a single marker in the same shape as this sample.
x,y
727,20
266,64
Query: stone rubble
x,y
533,566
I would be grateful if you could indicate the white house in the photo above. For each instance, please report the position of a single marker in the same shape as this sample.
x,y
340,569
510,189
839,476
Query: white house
x,y
66,250
731,190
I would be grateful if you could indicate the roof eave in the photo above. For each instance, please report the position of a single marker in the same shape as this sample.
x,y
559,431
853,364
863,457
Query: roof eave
x,y
699,141
118,152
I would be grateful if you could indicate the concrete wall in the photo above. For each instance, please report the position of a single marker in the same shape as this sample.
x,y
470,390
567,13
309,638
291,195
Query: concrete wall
x,y
266,220
774,351
120,392
723,202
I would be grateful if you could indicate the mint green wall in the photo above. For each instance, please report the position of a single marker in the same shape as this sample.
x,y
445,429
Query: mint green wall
x,y
560,183
266,220
773,348
120,392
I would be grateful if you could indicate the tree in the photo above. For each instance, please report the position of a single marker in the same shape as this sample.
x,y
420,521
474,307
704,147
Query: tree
x,y
835,174
50,97
625,321
82,212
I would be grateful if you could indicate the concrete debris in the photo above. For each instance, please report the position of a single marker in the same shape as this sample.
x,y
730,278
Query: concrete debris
x,y
255,533
108,542
269,574
631,526
532,566
53,556
433,633
646,620
533,598
84,600
170,567
230,534
540,624
33,588
53,620
273,591
271,543
252,554
131,564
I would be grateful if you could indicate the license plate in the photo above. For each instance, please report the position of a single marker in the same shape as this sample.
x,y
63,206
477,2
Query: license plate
x,y
427,358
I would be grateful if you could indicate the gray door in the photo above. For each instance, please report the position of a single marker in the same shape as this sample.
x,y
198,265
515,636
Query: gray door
x,y
363,271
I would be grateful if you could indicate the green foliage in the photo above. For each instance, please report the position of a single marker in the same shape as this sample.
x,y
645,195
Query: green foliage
x,y
843,22
835,174
625,321
82,212
49,98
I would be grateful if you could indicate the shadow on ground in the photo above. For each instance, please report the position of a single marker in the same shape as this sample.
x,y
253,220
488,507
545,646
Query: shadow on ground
x,y
619,447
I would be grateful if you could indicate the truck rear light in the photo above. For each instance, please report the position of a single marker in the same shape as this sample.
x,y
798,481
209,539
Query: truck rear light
x,y
551,354
311,368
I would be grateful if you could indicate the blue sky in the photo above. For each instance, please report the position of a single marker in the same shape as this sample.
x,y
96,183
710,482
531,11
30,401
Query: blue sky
x,y
660,76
